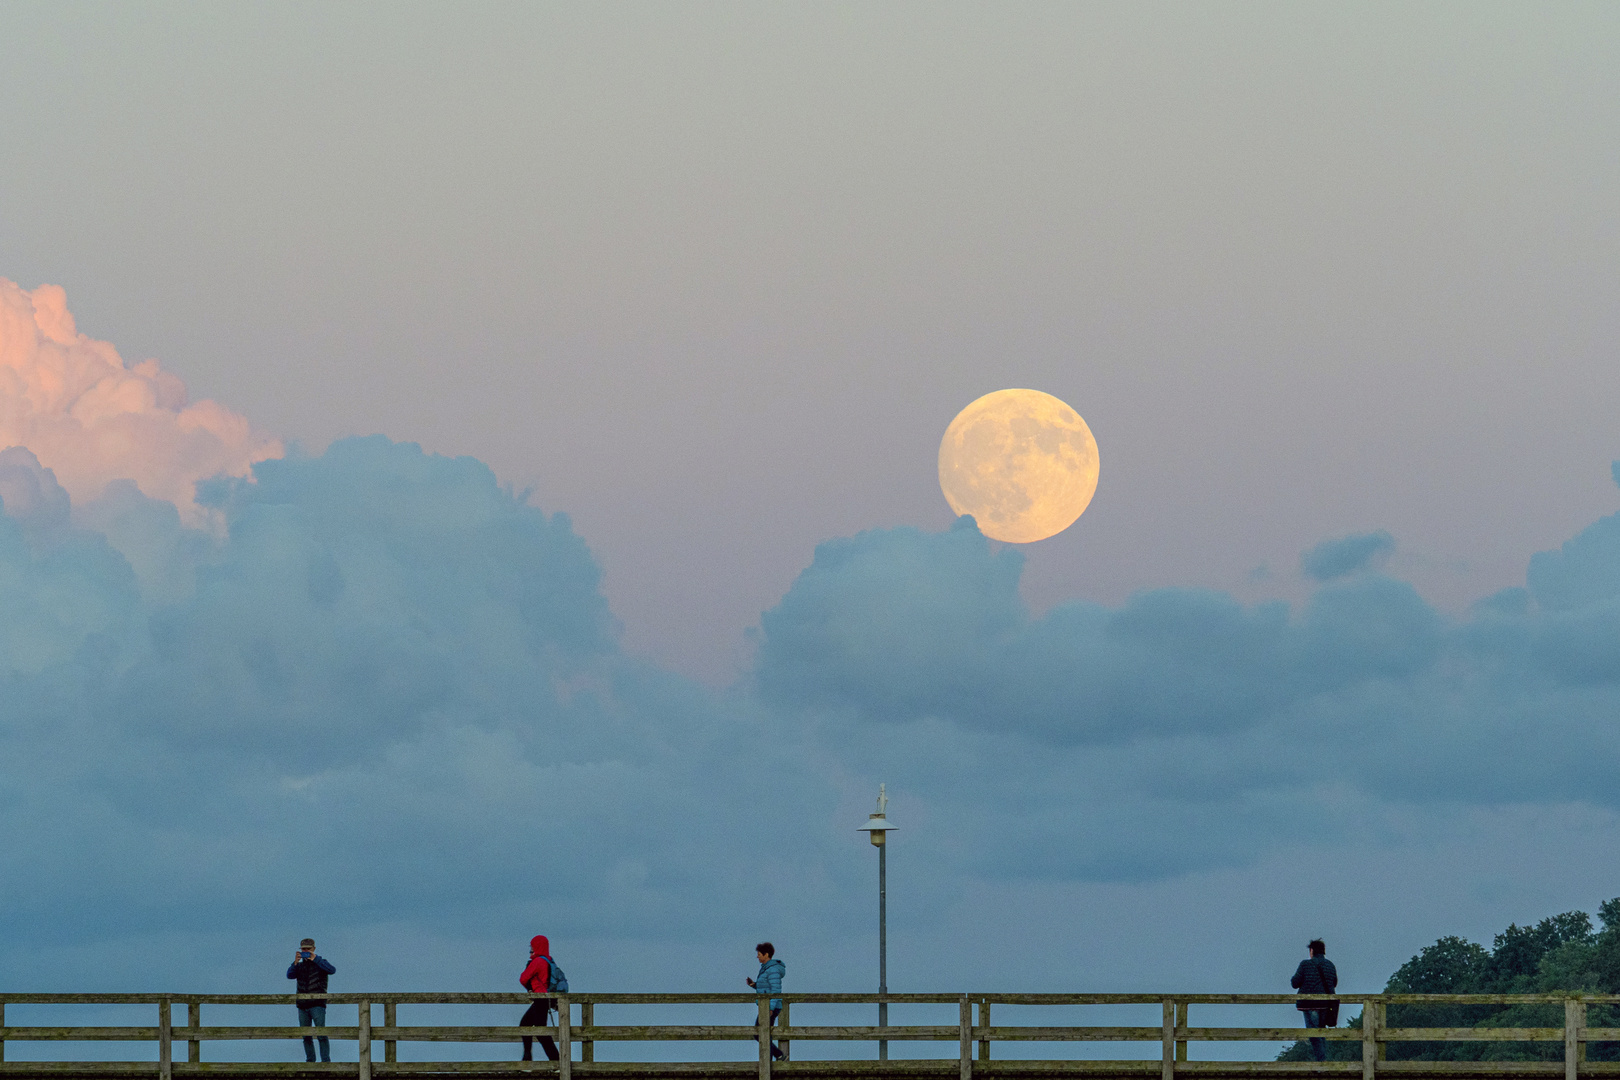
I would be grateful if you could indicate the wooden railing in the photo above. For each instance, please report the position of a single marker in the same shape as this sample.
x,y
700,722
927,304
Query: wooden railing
x,y
974,1034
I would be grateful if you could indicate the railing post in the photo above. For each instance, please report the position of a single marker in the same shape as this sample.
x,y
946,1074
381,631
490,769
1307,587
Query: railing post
x,y
786,1022
165,1040
964,1036
1369,1039
390,1020
883,994
194,1021
587,1018
1381,1017
984,1030
764,1038
1181,1027
565,1038
1169,1040
1573,1018
365,1040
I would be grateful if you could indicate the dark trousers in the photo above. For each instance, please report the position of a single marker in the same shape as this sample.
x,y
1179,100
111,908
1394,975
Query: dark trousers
x,y
1316,1018
536,1017
314,1016
776,1051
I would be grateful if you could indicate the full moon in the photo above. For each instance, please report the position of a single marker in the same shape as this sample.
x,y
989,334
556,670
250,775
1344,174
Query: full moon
x,y
1023,463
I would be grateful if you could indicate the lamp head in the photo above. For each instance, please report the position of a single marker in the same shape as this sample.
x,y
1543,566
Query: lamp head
x,y
877,826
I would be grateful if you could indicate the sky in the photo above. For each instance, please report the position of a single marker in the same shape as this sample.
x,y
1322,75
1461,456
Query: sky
x,y
475,468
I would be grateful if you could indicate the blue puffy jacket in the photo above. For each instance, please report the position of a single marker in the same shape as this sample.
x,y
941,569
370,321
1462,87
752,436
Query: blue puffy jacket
x,y
769,980
311,976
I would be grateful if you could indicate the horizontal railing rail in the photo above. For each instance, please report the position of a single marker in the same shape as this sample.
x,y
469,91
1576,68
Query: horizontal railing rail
x,y
520,997
974,1033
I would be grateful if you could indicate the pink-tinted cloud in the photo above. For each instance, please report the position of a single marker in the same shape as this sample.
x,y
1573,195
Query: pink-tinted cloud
x,y
91,419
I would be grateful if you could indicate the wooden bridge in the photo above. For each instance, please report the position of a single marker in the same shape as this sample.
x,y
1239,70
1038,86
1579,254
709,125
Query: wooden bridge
x,y
971,1049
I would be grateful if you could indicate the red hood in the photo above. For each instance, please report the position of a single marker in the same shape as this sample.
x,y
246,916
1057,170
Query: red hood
x,y
539,944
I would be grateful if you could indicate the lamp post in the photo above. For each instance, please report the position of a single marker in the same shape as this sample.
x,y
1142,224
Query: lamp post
x,y
877,827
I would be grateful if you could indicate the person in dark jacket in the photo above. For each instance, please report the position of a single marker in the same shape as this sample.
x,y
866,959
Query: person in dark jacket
x,y
771,971
311,971
536,979
1317,975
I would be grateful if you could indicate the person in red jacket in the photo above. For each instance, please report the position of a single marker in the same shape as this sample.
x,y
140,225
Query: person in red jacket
x,y
536,979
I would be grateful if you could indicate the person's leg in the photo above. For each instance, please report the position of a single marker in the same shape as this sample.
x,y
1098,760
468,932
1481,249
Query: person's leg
x,y
776,1051
535,1016
547,1043
1314,1018
305,1020
319,1014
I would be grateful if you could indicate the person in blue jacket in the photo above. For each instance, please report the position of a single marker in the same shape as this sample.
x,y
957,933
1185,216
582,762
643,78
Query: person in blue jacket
x,y
771,971
311,972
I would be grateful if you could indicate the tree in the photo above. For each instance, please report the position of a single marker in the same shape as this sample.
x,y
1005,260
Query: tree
x,y
1561,953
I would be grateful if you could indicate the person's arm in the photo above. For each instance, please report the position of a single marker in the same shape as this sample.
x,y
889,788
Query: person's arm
x,y
1330,976
325,965
1294,982
292,970
537,971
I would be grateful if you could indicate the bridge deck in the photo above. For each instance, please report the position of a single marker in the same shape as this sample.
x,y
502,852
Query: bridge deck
x,y
818,1070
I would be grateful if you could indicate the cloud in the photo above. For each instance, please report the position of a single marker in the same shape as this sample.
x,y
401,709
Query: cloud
x,y
92,420
387,691
1183,729
899,624
62,590
388,675
1585,570
1340,558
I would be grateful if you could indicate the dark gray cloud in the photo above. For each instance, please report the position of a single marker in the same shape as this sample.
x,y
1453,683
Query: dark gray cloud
x,y
1339,558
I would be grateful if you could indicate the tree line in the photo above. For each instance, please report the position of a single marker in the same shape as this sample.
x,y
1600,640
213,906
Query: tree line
x,y
1561,953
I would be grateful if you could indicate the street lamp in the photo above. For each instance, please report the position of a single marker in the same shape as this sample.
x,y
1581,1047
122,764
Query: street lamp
x,y
877,826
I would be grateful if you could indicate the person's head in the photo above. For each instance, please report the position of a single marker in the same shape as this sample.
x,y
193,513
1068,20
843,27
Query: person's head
x,y
539,945
307,945
1317,948
764,950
